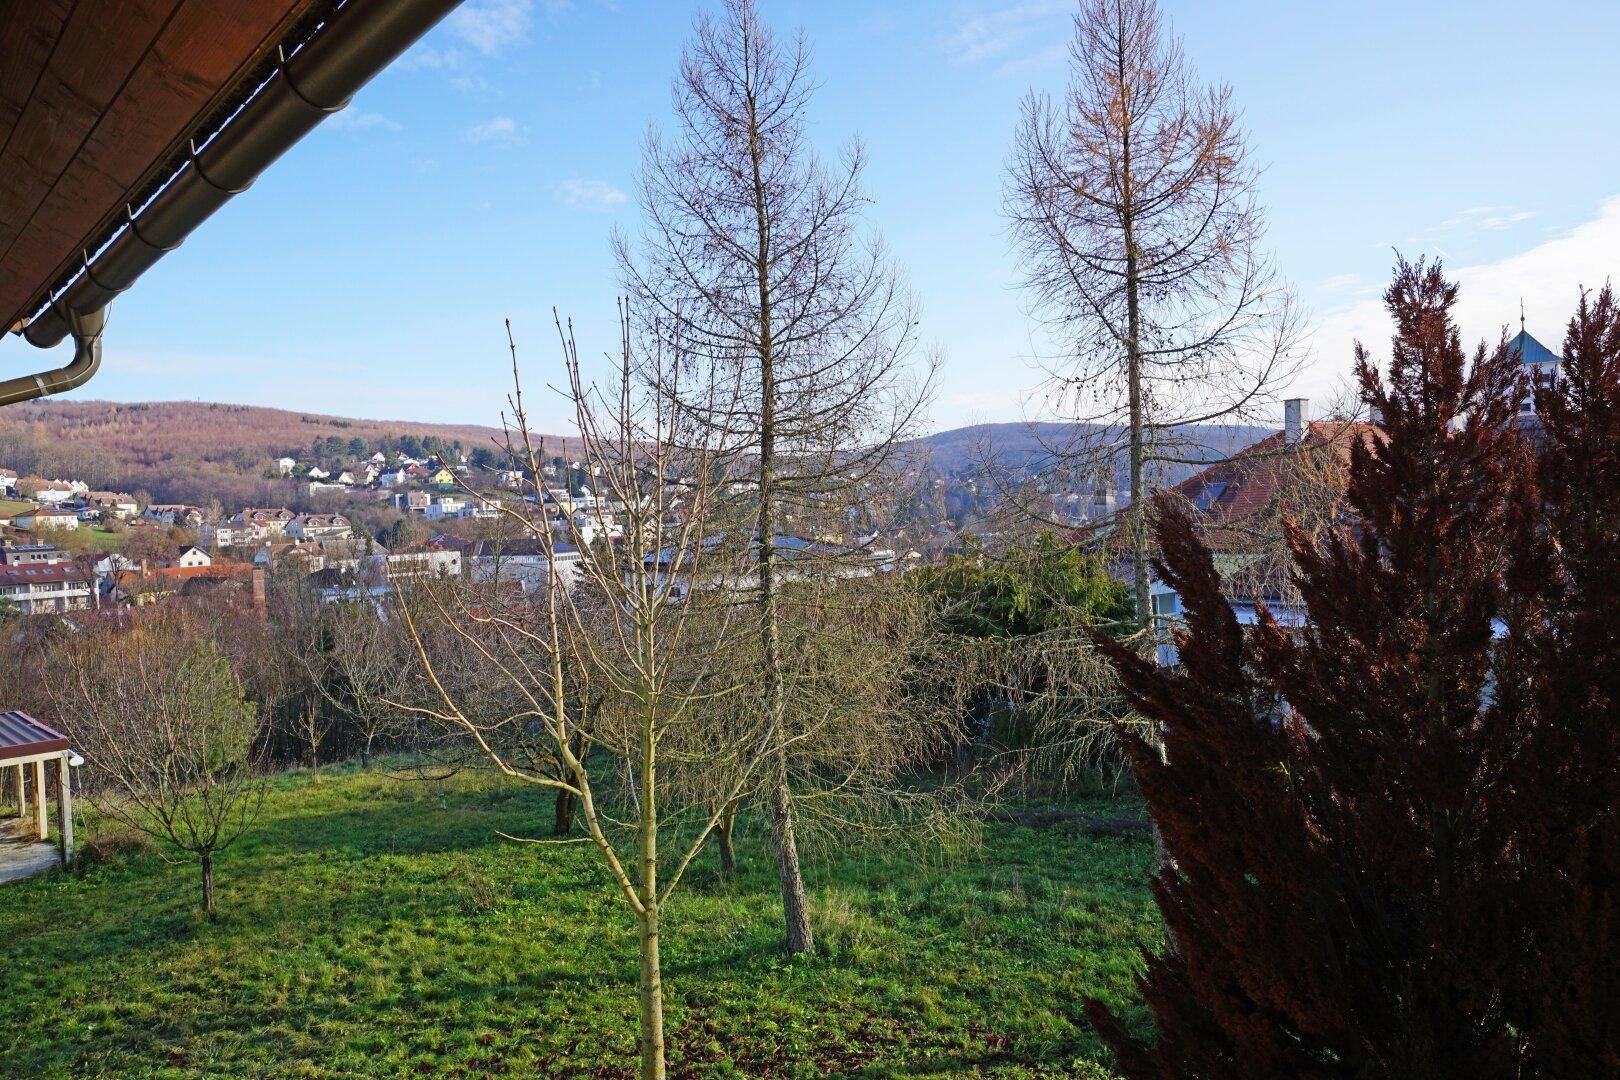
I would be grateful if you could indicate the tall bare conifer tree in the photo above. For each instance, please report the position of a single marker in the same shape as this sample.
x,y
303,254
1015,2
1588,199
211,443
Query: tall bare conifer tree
x,y
1132,204
754,253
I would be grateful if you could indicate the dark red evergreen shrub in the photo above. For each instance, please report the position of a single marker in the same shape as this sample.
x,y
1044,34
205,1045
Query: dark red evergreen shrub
x,y
1393,830
1562,671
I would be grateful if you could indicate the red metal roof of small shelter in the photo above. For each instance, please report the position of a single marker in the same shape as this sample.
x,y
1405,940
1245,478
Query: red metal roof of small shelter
x,y
23,736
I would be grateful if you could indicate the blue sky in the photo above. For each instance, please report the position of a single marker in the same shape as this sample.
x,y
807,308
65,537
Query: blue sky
x,y
367,273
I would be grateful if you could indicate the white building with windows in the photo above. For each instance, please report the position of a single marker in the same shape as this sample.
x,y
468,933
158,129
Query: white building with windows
x,y
194,556
42,580
46,517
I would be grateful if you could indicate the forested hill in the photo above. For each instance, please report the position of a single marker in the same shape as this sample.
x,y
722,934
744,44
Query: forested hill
x,y
188,450
145,433
1031,446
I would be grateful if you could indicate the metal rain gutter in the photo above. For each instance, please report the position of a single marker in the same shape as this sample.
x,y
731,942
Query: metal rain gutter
x,y
358,41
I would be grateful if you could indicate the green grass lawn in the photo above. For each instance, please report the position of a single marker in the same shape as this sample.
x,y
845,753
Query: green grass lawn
x,y
374,926
102,539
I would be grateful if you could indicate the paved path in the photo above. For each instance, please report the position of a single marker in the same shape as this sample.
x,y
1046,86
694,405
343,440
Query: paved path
x,y
20,855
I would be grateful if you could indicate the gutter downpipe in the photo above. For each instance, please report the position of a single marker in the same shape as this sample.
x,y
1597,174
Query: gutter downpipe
x,y
358,41
86,331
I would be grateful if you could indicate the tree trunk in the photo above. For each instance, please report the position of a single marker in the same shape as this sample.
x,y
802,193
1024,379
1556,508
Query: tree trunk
x,y
563,820
790,880
1133,380
1138,521
651,980
651,987
723,841
208,885
795,908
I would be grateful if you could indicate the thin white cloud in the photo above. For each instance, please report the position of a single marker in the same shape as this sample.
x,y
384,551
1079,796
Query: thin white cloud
x,y
493,26
1012,35
473,86
428,58
1341,283
479,28
1475,219
1506,221
496,131
483,29
595,195
356,120
1547,278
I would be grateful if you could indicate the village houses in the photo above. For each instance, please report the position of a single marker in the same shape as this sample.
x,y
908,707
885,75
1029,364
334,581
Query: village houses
x,y
112,503
52,492
319,527
187,517
46,517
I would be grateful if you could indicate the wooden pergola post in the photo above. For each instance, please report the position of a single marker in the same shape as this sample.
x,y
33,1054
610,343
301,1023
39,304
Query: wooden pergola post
x,y
65,798
41,812
25,741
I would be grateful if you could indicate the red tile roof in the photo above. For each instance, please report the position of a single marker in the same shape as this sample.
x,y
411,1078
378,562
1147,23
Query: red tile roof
x,y
1251,480
43,573
221,569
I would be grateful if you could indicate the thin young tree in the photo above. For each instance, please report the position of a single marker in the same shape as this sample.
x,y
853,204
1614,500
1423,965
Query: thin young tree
x,y
1133,209
1338,798
754,252
646,622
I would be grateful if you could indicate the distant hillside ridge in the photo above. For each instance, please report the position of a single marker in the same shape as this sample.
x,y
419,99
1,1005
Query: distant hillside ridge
x,y
188,451
1032,446
148,432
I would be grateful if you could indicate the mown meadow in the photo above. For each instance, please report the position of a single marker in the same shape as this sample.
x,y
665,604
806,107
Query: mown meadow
x,y
376,925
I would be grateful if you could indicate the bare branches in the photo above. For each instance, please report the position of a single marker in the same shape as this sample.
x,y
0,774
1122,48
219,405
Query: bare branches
x,y
799,336
602,684
1133,209
170,739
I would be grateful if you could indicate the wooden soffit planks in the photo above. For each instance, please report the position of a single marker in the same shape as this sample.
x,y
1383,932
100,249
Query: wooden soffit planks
x,y
96,97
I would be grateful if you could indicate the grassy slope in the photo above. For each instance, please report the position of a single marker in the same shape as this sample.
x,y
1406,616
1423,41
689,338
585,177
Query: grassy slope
x,y
374,926
103,540
98,538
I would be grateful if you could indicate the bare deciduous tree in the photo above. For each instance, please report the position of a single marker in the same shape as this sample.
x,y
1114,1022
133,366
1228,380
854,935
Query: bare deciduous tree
x,y
754,253
351,657
645,623
169,738
1133,208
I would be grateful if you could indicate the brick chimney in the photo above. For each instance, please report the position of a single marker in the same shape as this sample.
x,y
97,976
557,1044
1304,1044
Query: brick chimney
x,y
1296,415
